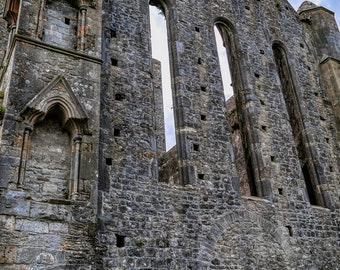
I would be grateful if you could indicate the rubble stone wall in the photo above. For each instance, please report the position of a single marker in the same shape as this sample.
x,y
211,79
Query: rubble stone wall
x,y
85,182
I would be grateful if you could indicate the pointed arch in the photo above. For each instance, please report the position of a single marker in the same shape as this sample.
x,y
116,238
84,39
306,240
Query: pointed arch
x,y
54,104
250,182
309,171
57,93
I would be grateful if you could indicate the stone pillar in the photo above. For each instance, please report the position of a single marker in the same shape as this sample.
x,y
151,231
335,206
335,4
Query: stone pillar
x,y
39,31
74,183
24,155
81,27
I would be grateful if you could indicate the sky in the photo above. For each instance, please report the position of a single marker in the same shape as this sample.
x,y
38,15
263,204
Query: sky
x,y
160,52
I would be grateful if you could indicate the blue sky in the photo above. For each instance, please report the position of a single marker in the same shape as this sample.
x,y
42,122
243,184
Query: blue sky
x,y
160,52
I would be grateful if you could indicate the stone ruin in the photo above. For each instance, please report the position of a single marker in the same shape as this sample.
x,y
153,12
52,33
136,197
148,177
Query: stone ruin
x,y
85,179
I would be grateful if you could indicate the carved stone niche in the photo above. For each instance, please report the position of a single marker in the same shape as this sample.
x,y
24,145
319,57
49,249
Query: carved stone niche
x,y
56,103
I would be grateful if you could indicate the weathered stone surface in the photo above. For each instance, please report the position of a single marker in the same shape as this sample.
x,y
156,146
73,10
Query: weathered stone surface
x,y
85,182
3,31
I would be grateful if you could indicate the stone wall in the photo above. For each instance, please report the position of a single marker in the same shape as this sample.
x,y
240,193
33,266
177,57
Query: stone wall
x,y
3,30
49,149
103,195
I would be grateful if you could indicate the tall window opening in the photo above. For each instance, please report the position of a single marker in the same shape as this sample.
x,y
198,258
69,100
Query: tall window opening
x,y
295,119
160,51
231,84
224,65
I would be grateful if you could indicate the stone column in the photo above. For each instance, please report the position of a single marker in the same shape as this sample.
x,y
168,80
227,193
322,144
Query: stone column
x,y
81,27
74,182
24,155
39,31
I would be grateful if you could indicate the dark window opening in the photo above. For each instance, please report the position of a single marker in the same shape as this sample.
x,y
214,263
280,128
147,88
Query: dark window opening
x,y
67,21
264,128
108,161
203,89
261,51
196,147
309,186
257,75
199,61
236,126
273,159
114,62
116,132
290,230
251,178
119,97
280,191
203,117
201,176
197,29
120,240
113,33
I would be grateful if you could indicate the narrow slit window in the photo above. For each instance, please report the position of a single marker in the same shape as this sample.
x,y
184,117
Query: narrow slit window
x,y
120,241
160,51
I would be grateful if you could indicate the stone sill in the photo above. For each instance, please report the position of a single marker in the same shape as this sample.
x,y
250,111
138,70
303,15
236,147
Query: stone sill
x,y
256,199
316,207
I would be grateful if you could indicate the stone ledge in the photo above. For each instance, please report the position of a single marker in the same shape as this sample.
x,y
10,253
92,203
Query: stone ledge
x,y
257,199
316,207
57,49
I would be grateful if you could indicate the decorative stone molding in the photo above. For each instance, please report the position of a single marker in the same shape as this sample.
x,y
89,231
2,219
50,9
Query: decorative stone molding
x,y
74,118
57,93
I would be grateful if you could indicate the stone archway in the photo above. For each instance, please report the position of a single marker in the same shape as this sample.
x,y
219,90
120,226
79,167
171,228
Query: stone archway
x,y
243,240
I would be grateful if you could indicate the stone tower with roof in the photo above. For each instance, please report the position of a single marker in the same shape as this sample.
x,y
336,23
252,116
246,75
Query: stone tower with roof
x,y
85,180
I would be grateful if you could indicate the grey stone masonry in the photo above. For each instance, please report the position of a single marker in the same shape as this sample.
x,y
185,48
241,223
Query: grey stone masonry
x,y
3,32
85,179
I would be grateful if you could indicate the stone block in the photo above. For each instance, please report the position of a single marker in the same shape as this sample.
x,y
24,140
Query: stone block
x,y
31,226
58,228
8,254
